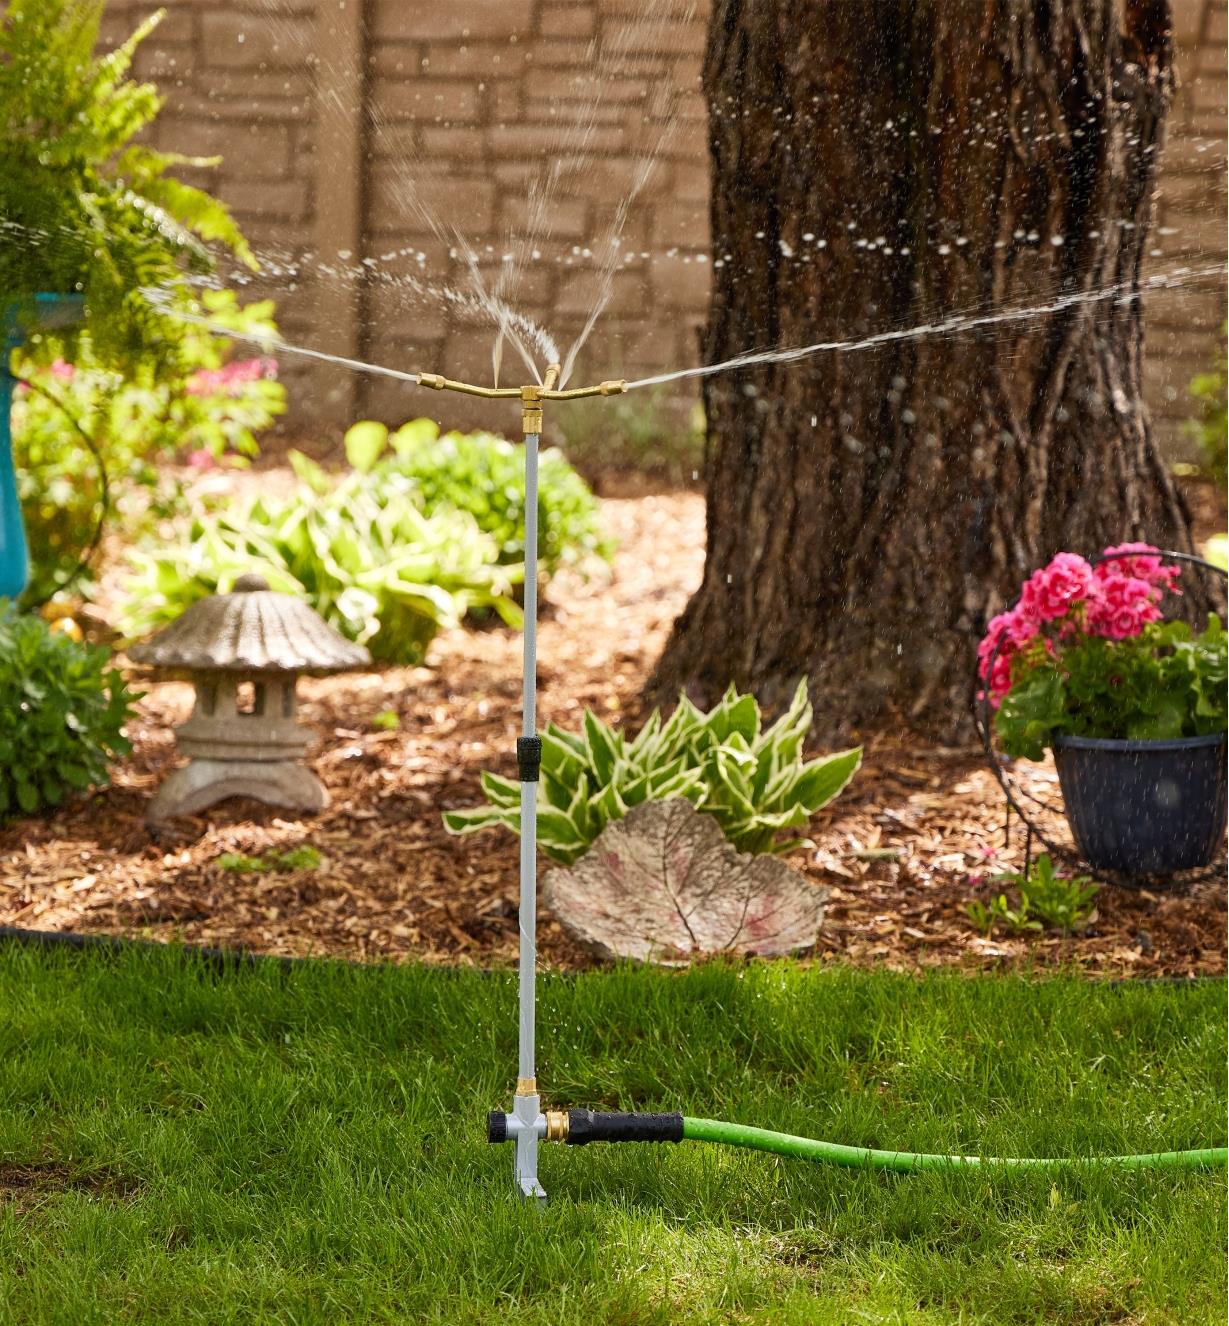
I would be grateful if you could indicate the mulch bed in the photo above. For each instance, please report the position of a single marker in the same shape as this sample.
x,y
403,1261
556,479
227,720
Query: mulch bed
x,y
897,851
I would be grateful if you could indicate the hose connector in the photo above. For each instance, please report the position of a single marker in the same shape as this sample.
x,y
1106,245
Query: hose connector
x,y
586,1126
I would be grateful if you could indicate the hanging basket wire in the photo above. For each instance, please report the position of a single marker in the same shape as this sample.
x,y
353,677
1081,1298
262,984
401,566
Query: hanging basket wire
x,y
1033,811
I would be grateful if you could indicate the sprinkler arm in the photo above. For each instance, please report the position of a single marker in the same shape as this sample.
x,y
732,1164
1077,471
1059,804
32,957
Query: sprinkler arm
x,y
531,396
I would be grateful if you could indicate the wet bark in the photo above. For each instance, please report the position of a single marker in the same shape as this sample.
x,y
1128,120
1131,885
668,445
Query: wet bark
x,y
890,163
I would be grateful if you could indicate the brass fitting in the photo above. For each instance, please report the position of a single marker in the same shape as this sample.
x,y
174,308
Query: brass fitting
x,y
556,1125
531,410
526,1086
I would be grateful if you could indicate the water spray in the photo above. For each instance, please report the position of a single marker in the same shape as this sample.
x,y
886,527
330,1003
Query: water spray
x,y
528,1124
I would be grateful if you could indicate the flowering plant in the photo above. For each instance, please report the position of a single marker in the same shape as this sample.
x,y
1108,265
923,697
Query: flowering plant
x,y
1086,652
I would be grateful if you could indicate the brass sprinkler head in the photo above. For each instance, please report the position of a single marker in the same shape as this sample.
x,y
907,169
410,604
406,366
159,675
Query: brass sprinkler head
x,y
531,396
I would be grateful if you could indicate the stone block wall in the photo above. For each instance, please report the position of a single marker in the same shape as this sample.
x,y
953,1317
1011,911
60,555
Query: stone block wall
x,y
1184,326
345,124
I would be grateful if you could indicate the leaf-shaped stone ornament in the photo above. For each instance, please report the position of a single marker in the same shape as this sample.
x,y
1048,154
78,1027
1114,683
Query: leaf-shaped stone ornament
x,y
663,885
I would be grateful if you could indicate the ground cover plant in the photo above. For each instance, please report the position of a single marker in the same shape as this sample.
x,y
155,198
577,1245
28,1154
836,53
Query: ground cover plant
x,y
419,533
307,1144
378,570
1042,900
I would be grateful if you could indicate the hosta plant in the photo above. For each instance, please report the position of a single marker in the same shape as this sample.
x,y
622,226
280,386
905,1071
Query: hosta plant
x,y
379,570
752,781
62,711
483,474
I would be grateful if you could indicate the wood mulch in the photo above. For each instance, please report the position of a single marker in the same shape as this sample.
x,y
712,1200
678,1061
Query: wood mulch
x,y
900,851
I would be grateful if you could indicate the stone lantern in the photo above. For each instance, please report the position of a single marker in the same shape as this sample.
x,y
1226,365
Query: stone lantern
x,y
243,653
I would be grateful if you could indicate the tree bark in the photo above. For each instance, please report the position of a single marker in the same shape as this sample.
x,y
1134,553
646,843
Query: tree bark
x,y
885,164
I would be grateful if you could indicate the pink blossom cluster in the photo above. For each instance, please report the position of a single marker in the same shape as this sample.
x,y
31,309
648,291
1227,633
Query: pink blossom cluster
x,y
230,378
1115,600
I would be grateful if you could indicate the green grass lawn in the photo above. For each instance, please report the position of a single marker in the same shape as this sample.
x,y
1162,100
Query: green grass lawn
x,y
306,1145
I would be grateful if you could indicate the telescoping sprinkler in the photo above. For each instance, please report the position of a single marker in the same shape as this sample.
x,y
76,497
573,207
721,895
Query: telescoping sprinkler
x,y
528,1124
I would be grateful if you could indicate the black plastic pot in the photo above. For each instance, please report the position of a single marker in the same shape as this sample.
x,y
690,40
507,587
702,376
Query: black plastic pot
x,y
1144,807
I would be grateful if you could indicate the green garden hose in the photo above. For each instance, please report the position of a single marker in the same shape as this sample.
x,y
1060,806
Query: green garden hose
x,y
580,1127
857,1157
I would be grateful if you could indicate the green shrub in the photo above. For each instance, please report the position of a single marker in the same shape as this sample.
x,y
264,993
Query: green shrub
x,y
1211,430
71,421
88,207
754,783
62,711
483,474
374,566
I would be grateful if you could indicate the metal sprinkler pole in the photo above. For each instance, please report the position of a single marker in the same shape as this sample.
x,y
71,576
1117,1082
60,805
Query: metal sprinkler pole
x,y
527,1103
527,1125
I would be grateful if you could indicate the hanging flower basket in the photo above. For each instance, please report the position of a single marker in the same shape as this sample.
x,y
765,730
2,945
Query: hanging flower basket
x,y
1132,705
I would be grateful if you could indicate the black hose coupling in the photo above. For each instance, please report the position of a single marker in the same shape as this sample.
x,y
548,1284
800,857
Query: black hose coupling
x,y
496,1126
586,1126
529,758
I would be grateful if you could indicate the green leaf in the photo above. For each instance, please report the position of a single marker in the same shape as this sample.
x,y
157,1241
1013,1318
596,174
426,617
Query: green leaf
x,y
824,779
502,792
602,746
481,817
413,436
364,442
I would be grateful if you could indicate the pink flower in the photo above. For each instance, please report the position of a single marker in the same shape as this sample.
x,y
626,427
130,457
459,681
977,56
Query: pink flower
x,y
1010,631
1050,592
202,459
61,369
1149,566
230,378
999,681
1124,603
1115,600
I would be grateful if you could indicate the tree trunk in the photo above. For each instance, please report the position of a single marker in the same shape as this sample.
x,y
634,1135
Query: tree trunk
x,y
883,164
